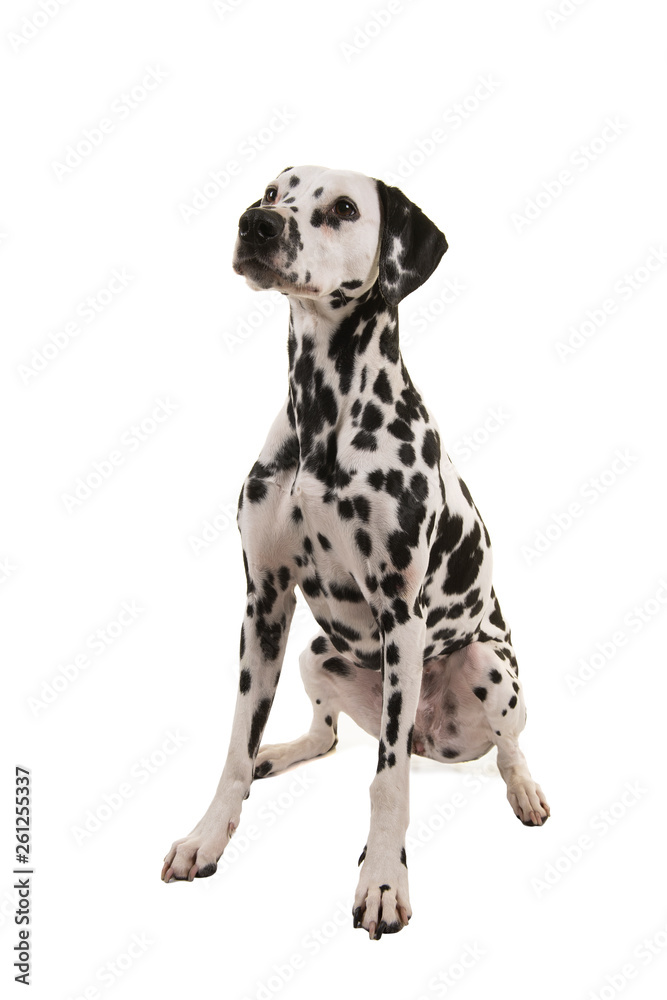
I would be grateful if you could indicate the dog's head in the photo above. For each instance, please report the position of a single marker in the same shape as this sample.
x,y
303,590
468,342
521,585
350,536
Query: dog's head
x,y
331,234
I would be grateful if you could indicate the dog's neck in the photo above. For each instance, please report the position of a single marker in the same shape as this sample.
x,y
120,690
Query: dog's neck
x,y
340,359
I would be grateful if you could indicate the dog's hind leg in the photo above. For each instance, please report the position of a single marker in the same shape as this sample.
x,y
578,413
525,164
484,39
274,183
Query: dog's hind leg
x,y
322,670
489,669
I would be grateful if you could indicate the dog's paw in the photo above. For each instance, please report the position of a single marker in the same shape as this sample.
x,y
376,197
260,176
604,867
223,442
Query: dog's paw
x,y
197,855
382,905
528,802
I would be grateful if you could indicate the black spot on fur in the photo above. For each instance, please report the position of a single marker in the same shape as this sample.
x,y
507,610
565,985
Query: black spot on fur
x,y
464,564
365,441
394,482
255,490
399,549
312,586
434,616
394,714
466,493
431,448
370,661
401,611
496,617
392,584
346,592
259,718
319,645
389,343
393,654
337,666
363,540
362,507
345,630
269,635
472,598
372,417
400,430
382,757
245,681
387,621
382,387
376,479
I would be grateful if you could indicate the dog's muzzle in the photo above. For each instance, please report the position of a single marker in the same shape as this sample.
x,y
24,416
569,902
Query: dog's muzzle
x,y
258,226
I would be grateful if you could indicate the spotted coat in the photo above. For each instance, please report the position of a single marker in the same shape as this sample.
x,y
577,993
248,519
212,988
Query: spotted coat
x,y
354,500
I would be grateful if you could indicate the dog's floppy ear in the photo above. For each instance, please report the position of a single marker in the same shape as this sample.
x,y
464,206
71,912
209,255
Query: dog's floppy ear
x,y
410,247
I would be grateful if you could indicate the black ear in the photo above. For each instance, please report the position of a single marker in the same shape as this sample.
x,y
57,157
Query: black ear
x,y
411,245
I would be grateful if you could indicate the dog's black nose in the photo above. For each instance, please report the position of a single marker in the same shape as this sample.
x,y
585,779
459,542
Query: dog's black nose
x,y
257,226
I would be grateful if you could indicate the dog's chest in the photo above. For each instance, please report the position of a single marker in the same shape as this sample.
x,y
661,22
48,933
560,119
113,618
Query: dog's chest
x,y
319,547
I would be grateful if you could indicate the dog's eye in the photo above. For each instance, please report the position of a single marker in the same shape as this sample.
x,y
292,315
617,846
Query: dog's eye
x,y
345,209
271,194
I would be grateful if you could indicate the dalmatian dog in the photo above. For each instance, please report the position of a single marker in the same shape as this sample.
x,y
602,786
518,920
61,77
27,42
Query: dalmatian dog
x,y
353,500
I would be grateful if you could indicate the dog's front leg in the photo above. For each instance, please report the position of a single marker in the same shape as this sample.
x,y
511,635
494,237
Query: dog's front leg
x,y
382,903
267,619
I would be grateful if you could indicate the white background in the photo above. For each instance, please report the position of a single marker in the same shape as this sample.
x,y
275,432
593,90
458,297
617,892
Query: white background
x,y
533,915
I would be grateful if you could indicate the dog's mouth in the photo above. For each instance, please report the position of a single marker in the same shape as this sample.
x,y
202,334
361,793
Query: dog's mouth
x,y
258,272
264,276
